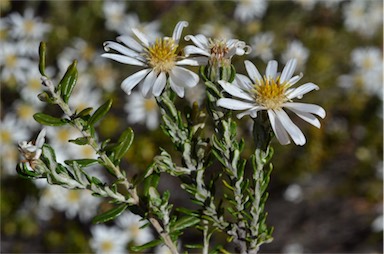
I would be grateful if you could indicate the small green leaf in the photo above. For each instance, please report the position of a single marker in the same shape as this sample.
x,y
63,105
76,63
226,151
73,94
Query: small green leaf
x,y
148,245
82,162
151,181
42,50
125,142
80,141
109,215
49,120
45,97
84,112
68,82
184,222
100,112
24,172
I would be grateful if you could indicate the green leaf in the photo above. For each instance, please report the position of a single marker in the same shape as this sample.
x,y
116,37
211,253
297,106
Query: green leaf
x,y
125,142
148,245
82,162
49,120
45,97
151,181
80,141
24,172
84,112
100,112
42,50
68,82
184,222
109,215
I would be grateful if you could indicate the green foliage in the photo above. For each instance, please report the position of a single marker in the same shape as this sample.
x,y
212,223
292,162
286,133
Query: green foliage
x,y
49,120
110,215
68,82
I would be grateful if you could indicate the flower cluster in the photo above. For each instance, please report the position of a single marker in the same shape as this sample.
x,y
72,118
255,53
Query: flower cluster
x,y
271,92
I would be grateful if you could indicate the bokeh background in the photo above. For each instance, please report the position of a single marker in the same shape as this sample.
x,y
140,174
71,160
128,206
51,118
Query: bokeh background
x,y
325,197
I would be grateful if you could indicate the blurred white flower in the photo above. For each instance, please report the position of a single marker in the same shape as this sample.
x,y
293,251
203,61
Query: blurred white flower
x,y
196,94
28,26
158,58
262,46
307,5
216,30
378,224
272,93
142,110
247,10
293,248
293,193
108,240
31,87
25,111
296,50
114,13
85,89
14,66
133,228
151,29
363,17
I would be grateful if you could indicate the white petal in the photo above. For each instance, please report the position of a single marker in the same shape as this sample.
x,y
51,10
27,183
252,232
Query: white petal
x,y
271,70
193,61
159,84
288,70
234,104
307,117
294,79
183,77
293,131
123,59
178,30
130,42
199,40
148,84
306,107
243,81
253,72
179,90
129,83
120,48
278,129
234,90
301,90
252,112
142,37
190,50
41,138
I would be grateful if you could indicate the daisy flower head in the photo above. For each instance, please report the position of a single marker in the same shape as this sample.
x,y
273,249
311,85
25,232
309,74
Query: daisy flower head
x,y
215,52
108,240
272,93
159,59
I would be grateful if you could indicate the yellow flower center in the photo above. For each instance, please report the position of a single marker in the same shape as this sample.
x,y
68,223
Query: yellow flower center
x,y
149,105
270,93
11,61
6,137
29,25
25,111
162,55
106,246
73,196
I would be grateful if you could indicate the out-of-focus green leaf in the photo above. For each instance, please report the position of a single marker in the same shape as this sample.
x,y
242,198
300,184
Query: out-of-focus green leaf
x,y
68,82
45,97
49,120
100,112
184,222
84,112
148,245
109,215
151,181
80,141
82,162
42,54
125,142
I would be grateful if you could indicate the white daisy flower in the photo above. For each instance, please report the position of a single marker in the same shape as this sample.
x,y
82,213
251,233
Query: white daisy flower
x,y
142,110
363,17
8,135
31,151
247,10
28,26
217,52
25,111
262,46
158,58
367,59
133,227
108,240
296,50
272,93
114,13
